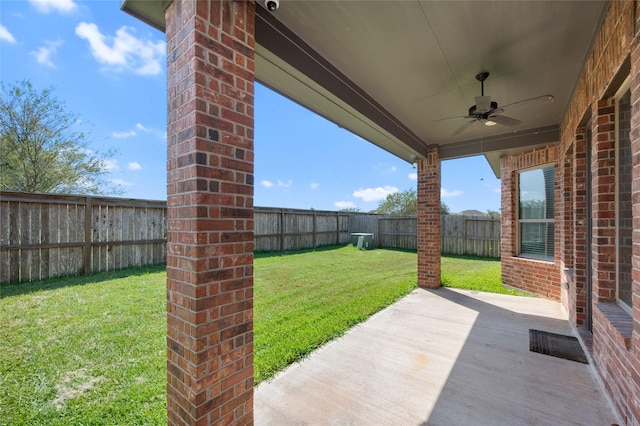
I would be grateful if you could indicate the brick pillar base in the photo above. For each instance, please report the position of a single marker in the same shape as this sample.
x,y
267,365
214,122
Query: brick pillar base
x,y
210,47
429,221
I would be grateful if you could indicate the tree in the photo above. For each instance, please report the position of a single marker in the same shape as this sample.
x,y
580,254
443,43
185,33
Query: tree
x,y
444,209
399,203
41,148
405,202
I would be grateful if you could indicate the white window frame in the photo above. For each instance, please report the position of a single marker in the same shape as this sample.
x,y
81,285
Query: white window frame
x,y
519,221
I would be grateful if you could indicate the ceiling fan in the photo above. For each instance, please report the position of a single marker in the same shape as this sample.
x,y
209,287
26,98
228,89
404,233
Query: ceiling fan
x,y
486,111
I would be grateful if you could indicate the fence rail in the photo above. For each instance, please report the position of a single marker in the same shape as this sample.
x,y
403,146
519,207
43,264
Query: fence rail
x,y
47,235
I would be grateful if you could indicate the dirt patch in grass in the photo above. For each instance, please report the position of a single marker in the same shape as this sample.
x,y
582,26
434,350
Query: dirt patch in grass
x,y
74,384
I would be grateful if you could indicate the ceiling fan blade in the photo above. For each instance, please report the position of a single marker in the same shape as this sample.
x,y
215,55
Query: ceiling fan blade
x,y
504,120
465,117
540,100
464,126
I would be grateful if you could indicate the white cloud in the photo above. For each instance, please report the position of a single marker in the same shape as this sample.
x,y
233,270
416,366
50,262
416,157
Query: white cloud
x,y
375,194
6,35
345,204
124,51
121,182
286,184
385,168
139,126
44,53
134,165
266,183
445,193
46,6
314,185
110,165
142,128
413,176
123,135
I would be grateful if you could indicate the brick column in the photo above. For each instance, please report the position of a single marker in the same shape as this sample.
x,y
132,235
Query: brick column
x,y
580,224
210,48
429,221
635,198
603,168
508,225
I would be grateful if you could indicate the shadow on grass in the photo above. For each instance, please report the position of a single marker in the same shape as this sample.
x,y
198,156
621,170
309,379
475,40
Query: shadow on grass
x,y
267,254
467,257
17,289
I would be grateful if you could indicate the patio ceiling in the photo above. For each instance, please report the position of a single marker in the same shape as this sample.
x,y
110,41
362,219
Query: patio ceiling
x,y
387,70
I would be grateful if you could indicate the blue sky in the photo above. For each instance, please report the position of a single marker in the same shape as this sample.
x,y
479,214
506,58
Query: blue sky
x,y
109,69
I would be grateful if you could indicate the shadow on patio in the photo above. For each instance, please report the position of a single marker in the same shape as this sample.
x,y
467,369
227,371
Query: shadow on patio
x,y
440,357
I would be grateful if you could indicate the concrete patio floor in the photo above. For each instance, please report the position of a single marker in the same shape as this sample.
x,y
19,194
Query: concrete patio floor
x,y
440,357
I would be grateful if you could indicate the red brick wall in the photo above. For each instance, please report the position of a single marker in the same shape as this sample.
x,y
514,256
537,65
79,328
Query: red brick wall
x,y
614,352
429,222
210,49
603,169
635,197
577,302
535,276
615,359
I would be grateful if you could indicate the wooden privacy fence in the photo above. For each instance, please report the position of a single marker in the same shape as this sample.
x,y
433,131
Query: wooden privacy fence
x,y
45,235
471,235
289,229
463,235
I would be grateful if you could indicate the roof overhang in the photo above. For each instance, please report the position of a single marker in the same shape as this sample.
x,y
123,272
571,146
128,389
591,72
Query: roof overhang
x,y
388,71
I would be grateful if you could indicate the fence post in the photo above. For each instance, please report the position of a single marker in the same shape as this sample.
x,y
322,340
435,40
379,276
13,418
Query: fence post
x,y
315,231
86,252
281,226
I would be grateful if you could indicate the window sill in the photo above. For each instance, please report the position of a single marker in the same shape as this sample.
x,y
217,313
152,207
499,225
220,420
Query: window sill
x,y
619,321
536,259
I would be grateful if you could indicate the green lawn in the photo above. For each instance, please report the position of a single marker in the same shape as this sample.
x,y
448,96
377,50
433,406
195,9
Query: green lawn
x,y
472,273
92,350
84,350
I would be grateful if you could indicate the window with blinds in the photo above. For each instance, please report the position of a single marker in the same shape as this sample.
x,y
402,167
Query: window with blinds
x,y
535,212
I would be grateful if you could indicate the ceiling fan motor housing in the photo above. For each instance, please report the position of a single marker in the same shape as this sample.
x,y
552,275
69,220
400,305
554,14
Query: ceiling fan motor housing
x,y
481,111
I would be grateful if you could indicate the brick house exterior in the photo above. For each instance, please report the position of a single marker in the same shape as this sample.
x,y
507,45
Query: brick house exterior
x,y
594,196
211,73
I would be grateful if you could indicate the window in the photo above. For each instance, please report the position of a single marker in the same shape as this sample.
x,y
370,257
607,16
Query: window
x,y
624,213
536,190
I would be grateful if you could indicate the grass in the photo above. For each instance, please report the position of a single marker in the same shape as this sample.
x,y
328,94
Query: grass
x,y
305,299
84,350
472,273
92,350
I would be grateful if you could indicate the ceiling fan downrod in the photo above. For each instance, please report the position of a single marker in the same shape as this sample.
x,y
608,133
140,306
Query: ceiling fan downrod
x,y
481,78
483,106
